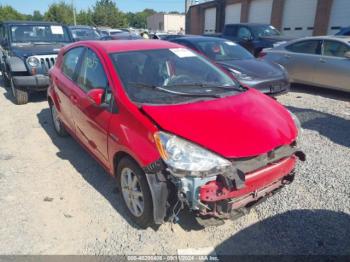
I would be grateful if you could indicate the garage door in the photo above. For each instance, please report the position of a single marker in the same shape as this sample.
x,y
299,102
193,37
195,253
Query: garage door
x,y
260,11
233,13
209,20
299,17
340,16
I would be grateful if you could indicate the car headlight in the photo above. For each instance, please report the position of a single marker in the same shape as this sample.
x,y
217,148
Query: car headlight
x,y
186,158
283,69
297,123
33,61
239,75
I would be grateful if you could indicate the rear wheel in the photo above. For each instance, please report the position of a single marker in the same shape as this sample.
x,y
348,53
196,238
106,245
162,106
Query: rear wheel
x,y
20,95
59,128
135,192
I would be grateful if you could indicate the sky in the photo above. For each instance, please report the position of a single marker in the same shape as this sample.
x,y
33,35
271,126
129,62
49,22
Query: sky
x,y
28,6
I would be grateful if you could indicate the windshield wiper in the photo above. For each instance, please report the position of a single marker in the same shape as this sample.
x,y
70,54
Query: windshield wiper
x,y
159,88
227,88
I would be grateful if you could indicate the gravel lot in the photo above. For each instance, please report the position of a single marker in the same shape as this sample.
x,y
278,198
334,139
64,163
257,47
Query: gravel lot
x,y
55,199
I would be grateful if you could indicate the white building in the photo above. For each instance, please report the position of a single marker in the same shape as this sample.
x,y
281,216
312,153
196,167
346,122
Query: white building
x,y
171,23
292,17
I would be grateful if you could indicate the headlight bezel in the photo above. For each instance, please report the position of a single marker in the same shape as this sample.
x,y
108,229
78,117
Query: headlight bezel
x,y
213,163
33,61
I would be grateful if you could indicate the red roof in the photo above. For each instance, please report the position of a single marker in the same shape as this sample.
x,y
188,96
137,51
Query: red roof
x,y
113,46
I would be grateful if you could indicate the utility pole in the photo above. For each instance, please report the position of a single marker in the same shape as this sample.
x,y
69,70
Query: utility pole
x,y
74,17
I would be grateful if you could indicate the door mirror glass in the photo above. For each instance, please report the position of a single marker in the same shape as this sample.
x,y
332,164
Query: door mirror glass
x,y
96,96
347,55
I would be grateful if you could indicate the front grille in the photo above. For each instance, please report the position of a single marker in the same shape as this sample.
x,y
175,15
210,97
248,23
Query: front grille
x,y
251,164
47,62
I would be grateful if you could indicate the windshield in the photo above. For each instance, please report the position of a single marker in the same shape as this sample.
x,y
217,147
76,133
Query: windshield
x,y
85,34
170,76
265,30
39,33
218,50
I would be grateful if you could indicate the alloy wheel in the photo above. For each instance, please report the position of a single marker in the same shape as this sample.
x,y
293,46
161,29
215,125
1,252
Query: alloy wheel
x,y
132,192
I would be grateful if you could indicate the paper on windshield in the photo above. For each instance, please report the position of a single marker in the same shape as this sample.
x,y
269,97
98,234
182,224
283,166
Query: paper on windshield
x,y
230,43
182,52
56,30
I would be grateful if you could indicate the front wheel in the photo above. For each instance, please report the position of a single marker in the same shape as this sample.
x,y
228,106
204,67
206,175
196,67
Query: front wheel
x,y
135,192
20,96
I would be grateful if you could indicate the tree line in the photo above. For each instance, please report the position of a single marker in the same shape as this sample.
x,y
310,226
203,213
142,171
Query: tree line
x,y
103,13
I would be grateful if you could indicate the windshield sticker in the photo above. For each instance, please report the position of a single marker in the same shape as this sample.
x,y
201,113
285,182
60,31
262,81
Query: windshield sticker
x,y
56,30
182,52
230,43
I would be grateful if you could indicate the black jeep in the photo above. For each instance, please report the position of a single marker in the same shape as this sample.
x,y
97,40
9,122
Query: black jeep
x,y
27,51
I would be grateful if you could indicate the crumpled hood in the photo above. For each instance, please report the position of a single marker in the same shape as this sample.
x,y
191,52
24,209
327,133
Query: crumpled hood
x,y
245,125
26,50
254,67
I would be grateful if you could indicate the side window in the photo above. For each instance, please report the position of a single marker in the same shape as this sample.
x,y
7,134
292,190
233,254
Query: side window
x,y
305,47
70,61
335,48
244,33
92,74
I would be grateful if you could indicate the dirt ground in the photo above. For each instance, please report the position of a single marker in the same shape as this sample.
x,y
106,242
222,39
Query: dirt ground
x,y
55,199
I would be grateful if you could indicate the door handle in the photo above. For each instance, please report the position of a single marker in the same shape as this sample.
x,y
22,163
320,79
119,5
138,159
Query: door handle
x,y
322,60
287,56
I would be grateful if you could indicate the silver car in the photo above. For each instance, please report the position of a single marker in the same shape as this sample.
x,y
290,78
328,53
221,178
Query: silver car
x,y
321,61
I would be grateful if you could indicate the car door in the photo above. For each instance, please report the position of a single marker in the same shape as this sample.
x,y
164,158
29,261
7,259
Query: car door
x,y
333,68
63,82
92,122
300,59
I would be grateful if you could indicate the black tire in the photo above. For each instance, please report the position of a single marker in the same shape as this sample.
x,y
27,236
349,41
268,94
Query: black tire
x,y
20,96
146,218
56,122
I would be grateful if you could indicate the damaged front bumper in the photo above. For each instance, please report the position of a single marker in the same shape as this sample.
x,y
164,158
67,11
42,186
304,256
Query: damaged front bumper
x,y
226,195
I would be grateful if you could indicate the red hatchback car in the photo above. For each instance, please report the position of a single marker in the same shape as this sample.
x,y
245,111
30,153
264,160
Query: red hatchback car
x,y
172,128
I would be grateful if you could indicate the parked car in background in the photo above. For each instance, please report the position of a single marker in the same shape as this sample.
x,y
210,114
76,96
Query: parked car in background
x,y
344,31
165,36
27,51
321,61
253,36
223,149
109,31
121,36
269,78
82,32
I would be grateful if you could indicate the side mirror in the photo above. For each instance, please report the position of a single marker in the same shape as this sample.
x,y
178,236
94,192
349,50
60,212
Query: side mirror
x,y
347,55
96,96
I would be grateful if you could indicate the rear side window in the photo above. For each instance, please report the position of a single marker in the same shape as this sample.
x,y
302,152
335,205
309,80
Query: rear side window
x,y
305,47
335,48
70,61
92,74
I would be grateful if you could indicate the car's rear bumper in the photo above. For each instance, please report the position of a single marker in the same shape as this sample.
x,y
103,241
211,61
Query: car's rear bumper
x,y
32,83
